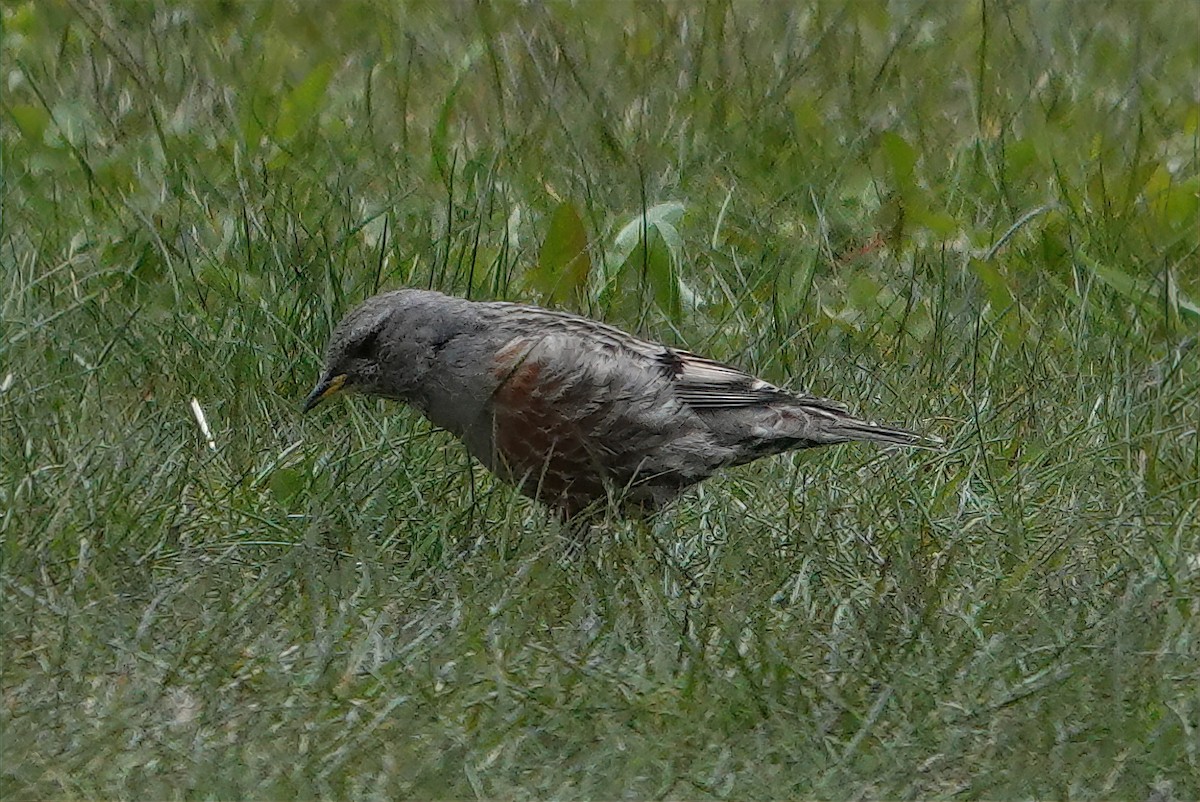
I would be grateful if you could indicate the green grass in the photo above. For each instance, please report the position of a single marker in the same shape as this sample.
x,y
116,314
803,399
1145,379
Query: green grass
x,y
978,219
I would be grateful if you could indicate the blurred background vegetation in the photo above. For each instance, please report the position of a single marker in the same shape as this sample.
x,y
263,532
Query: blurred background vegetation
x,y
977,218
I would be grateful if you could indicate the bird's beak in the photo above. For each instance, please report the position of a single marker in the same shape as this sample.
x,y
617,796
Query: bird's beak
x,y
325,388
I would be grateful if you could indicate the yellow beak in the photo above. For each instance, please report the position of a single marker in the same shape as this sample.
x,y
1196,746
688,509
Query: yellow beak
x,y
324,389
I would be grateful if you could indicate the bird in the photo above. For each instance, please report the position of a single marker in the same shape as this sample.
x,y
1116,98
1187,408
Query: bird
x,y
575,413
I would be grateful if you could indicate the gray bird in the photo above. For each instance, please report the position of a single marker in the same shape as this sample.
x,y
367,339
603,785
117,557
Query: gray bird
x,y
571,411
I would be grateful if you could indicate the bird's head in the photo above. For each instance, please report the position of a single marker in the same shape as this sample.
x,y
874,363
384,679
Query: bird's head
x,y
386,345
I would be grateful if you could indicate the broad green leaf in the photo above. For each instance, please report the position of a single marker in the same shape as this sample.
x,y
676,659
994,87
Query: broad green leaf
x,y
657,261
250,120
1146,295
660,269
301,103
1020,155
630,234
31,120
1174,203
864,292
563,264
650,262
941,223
998,293
285,484
901,159
1191,120
1131,288
1181,207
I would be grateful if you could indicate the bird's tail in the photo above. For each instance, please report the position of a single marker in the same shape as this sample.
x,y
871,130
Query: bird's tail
x,y
850,428
800,422
822,422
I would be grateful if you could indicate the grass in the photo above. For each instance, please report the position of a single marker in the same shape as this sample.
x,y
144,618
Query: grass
x,y
977,219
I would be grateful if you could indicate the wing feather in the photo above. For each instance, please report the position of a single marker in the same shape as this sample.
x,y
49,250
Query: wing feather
x,y
703,383
699,383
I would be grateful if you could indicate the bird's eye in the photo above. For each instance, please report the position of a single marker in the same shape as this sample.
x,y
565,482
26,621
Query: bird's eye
x,y
364,348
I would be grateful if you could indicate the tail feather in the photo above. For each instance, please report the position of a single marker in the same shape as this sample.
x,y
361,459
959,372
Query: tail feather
x,y
827,426
858,429
753,433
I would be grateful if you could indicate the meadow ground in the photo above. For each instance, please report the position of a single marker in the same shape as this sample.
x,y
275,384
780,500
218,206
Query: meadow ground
x,y
978,219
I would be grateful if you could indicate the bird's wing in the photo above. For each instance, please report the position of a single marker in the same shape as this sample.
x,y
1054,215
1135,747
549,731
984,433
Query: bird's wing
x,y
795,420
699,383
703,383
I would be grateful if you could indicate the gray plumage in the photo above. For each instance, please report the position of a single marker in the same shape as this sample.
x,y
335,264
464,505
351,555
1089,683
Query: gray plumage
x,y
570,410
